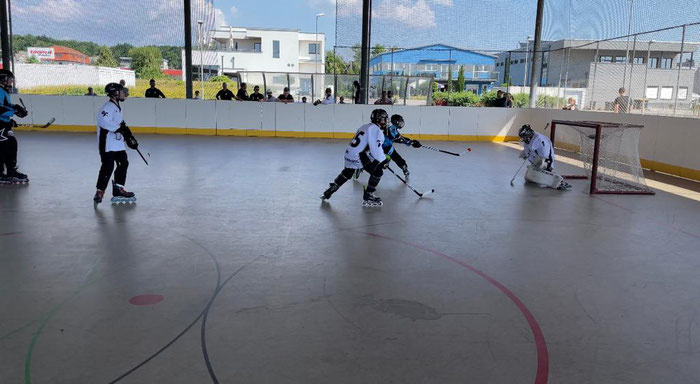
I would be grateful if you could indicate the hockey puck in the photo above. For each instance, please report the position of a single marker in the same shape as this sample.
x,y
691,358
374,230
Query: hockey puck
x,y
469,149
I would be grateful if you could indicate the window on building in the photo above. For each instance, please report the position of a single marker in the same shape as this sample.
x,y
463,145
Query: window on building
x,y
275,49
682,93
652,93
620,59
313,49
666,62
605,59
666,93
639,60
257,47
653,62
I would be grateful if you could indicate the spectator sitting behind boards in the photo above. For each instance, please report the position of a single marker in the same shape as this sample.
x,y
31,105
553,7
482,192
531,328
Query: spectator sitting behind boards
x,y
196,95
90,92
383,100
622,102
154,92
342,100
224,93
572,105
285,97
509,100
256,95
328,99
501,101
390,97
269,98
303,100
356,94
243,93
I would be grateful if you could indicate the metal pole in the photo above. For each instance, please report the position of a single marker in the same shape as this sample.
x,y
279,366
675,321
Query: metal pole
x,y
566,77
4,35
366,35
316,42
595,69
526,56
536,48
629,94
201,60
627,50
646,72
561,71
188,49
678,78
506,72
12,44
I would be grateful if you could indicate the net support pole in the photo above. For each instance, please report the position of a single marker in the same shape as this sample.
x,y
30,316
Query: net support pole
x,y
596,159
4,35
678,78
534,78
366,35
595,69
188,49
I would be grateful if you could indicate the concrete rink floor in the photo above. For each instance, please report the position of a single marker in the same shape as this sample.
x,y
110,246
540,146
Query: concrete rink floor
x,y
262,283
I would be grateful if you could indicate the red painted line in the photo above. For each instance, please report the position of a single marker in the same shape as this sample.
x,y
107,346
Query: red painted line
x,y
146,299
542,375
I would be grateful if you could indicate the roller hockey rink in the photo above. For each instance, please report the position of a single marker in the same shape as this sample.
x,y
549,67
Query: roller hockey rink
x,y
228,268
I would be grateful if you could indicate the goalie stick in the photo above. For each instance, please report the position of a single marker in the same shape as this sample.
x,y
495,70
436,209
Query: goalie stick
x,y
420,195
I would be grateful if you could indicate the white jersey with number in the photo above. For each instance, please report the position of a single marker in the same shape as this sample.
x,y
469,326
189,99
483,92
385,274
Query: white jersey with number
x,y
109,119
539,147
368,137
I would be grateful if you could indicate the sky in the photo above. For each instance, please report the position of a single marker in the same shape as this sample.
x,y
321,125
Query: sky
x,y
475,24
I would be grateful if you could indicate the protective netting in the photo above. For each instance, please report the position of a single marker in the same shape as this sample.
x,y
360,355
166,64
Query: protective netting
x,y
64,47
590,50
619,169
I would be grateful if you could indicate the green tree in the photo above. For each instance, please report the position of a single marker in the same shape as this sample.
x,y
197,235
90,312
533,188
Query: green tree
x,y
33,60
449,81
335,63
121,50
378,49
461,83
173,54
146,61
106,58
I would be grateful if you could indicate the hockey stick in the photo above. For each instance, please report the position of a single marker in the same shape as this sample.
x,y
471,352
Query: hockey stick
x,y
516,173
141,154
37,125
440,150
420,195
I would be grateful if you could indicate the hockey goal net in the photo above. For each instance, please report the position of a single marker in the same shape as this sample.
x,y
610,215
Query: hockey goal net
x,y
609,153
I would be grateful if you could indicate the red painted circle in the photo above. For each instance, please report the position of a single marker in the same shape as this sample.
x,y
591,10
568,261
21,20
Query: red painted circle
x,y
147,299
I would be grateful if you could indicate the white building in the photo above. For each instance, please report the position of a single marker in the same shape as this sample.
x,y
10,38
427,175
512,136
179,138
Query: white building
x,y
228,50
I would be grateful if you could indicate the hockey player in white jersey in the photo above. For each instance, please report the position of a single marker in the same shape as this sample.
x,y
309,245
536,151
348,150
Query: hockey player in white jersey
x,y
365,152
113,135
538,149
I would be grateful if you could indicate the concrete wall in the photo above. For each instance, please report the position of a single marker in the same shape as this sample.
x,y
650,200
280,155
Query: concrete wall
x,y
667,144
34,75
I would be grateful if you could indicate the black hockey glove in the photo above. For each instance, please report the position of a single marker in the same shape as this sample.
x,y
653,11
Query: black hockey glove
x,y
416,144
13,123
131,142
20,111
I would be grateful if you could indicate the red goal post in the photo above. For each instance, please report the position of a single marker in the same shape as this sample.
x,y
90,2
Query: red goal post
x,y
610,155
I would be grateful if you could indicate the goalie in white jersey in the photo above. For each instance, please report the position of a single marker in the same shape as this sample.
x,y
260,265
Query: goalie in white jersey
x,y
113,135
365,152
538,149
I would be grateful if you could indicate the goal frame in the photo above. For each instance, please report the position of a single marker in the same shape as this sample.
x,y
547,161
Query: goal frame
x,y
599,126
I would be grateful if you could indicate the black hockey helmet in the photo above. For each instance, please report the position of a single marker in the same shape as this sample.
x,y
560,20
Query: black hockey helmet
x,y
5,75
526,133
379,117
397,121
112,90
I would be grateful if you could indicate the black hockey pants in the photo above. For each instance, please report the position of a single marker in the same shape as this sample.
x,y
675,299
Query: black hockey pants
x,y
108,160
373,167
398,159
8,152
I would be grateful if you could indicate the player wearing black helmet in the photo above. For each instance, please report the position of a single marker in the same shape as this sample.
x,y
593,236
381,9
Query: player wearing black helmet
x,y
8,142
365,152
113,135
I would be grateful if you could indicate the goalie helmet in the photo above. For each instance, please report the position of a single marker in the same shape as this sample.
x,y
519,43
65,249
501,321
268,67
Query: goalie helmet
x,y
6,79
397,121
112,90
379,117
526,133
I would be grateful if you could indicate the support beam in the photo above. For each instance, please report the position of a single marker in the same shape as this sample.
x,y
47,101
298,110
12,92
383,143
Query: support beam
x,y
187,67
534,73
5,35
366,38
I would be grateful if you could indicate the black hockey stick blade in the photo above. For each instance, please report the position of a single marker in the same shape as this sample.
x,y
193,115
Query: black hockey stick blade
x,y
140,154
420,195
48,124
440,150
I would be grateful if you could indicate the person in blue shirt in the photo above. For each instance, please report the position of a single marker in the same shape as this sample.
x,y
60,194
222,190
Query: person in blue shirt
x,y
8,142
391,136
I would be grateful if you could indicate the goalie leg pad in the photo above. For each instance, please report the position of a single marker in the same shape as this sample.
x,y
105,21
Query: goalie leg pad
x,y
543,177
